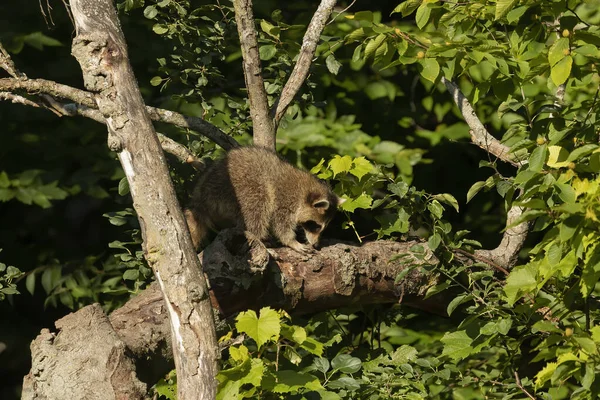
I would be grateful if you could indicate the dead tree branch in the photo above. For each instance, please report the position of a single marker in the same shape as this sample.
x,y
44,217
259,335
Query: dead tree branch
x,y
305,58
507,252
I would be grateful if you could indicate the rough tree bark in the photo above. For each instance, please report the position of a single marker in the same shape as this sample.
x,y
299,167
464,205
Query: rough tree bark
x,y
263,129
101,51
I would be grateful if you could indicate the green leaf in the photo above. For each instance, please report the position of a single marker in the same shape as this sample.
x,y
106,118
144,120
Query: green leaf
x,y
434,241
123,187
270,29
150,12
458,300
477,186
516,13
313,346
522,279
587,345
582,151
430,69
357,54
340,164
361,167
294,333
436,209
545,374
30,283
503,7
566,192
262,329
407,7
160,29
591,272
131,275
404,354
558,51
557,157
364,16
292,381
538,158
4,181
156,81
363,201
448,199
398,188
373,44
333,65
561,71
321,364
423,14
457,345
346,363
267,52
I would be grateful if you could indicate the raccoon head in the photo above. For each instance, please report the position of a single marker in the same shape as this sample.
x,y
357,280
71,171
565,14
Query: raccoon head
x,y
316,213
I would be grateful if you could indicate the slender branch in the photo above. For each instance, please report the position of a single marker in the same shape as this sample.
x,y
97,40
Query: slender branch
x,y
203,127
85,99
506,254
479,135
305,57
520,386
16,99
263,127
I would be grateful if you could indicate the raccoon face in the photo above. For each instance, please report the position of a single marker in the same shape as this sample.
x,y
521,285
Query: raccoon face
x,y
320,211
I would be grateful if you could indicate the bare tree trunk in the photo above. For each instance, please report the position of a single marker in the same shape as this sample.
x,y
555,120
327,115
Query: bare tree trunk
x,y
101,51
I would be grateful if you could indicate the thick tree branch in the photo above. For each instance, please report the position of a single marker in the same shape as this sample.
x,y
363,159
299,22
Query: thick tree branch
x,y
336,276
100,49
507,252
83,98
262,124
305,57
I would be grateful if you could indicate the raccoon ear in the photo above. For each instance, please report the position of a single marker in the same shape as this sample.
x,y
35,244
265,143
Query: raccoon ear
x,y
322,203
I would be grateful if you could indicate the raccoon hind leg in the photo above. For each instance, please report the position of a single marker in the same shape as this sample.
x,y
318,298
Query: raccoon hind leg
x,y
198,230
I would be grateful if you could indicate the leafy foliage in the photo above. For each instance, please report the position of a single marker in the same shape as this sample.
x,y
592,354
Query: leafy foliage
x,y
374,97
7,275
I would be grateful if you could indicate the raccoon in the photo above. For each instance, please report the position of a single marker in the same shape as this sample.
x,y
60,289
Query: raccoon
x,y
254,190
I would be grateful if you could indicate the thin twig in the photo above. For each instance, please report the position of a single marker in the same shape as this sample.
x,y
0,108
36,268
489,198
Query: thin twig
x,y
520,386
341,12
484,260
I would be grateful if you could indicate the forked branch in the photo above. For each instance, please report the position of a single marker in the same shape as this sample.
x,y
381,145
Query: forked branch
x,y
514,237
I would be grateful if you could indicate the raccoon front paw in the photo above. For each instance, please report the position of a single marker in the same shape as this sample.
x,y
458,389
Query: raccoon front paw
x,y
303,248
